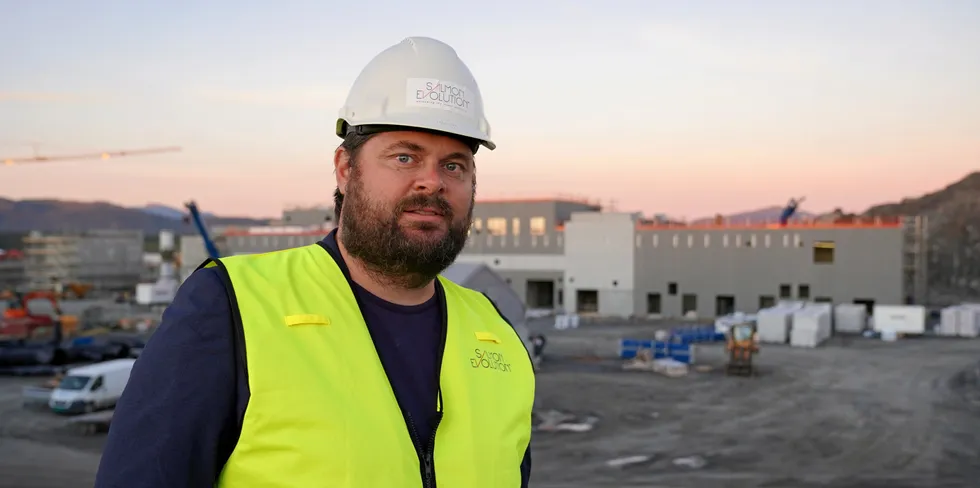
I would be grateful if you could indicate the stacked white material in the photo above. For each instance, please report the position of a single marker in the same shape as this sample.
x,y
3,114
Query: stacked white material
x,y
968,323
811,326
724,324
851,318
774,323
949,319
900,319
564,321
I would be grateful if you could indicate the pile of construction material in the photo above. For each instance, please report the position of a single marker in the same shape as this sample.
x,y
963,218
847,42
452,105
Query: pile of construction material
x,y
724,324
893,321
960,321
569,321
774,323
645,361
850,318
811,325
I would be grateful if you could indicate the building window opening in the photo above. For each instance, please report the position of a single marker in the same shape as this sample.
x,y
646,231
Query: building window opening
x,y
654,304
823,252
689,303
803,292
785,291
538,226
540,294
767,301
497,226
671,288
587,301
724,305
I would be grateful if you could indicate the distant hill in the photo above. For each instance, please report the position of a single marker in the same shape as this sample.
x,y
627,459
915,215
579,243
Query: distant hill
x,y
759,216
68,216
953,224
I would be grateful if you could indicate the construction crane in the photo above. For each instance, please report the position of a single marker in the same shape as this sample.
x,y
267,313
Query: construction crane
x,y
195,215
790,210
37,158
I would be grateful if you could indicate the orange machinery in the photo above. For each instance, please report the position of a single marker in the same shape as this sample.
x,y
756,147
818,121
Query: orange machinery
x,y
19,323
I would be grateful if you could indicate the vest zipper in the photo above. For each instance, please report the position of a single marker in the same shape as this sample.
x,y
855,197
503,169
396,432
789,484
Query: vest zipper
x,y
425,452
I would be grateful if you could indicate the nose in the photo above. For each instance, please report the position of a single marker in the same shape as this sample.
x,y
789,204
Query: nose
x,y
429,180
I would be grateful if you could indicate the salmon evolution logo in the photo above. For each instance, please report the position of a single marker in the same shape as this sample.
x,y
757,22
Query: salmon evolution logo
x,y
489,360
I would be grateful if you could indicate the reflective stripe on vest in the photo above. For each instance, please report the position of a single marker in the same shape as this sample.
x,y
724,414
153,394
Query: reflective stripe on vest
x,y
321,412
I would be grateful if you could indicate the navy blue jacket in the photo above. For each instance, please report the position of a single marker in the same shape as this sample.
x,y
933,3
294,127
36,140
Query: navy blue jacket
x,y
179,417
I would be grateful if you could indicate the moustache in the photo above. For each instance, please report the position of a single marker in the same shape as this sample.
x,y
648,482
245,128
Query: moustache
x,y
434,202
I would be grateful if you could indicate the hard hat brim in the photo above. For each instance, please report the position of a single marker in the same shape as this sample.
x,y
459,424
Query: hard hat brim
x,y
343,127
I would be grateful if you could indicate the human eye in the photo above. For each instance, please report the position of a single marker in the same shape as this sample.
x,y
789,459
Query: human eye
x,y
454,167
404,158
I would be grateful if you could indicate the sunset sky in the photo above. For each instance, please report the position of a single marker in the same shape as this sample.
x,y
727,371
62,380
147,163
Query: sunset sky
x,y
681,107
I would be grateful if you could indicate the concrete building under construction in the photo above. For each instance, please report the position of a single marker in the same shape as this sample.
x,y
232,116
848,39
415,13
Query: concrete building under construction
x,y
569,255
615,263
106,259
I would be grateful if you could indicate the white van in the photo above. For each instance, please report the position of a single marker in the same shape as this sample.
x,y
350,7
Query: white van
x,y
90,388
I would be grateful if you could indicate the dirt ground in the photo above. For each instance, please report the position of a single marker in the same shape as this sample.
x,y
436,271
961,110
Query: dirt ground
x,y
853,413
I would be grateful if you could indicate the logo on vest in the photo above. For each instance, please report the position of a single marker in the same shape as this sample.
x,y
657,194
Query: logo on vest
x,y
489,360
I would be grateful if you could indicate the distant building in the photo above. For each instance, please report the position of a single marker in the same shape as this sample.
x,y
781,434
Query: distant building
x,y
568,255
107,259
619,264
11,270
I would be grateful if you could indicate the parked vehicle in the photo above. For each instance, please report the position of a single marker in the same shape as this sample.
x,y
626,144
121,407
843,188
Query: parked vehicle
x,y
90,388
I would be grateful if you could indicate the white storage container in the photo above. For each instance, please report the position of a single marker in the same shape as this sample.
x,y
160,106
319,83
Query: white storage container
x,y
901,319
968,320
773,324
949,319
144,293
850,318
811,326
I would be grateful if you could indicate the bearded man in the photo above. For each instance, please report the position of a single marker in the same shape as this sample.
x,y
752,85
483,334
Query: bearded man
x,y
350,362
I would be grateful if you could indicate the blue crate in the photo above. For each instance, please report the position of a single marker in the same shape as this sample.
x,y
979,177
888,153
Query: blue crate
x,y
683,352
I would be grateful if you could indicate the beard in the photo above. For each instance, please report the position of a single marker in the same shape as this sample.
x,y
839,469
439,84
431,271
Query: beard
x,y
371,232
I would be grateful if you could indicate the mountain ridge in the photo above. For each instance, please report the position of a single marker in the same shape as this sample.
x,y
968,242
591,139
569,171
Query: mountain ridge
x,y
53,215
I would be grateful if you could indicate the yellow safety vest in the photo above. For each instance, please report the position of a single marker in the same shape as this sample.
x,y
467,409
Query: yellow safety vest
x,y
321,412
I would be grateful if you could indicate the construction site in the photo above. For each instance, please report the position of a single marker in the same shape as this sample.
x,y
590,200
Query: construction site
x,y
831,370
855,412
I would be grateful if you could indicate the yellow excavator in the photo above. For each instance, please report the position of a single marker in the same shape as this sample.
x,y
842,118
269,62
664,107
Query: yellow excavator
x,y
742,343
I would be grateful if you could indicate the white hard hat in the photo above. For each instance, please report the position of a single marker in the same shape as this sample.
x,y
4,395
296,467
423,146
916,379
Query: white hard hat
x,y
419,83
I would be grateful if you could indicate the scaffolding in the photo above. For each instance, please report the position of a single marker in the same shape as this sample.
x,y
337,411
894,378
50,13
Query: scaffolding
x,y
49,259
915,267
106,259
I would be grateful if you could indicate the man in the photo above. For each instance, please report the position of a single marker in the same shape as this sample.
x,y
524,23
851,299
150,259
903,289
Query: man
x,y
349,362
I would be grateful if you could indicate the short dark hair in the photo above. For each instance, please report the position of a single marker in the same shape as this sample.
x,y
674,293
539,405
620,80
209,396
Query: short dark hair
x,y
352,144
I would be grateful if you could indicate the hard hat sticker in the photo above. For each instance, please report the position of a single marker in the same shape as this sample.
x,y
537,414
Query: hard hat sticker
x,y
442,94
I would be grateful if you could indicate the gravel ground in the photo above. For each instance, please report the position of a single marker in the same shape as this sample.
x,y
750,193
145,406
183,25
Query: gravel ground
x,y
853,413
